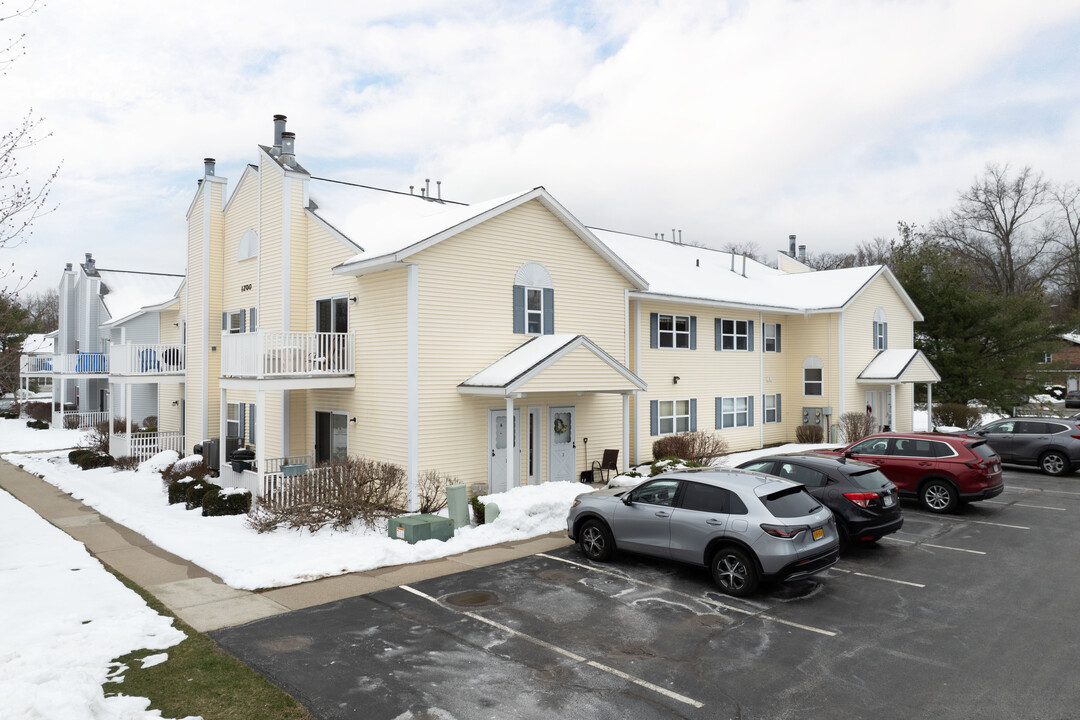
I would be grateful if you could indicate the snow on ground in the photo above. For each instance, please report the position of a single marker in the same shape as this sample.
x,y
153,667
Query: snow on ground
x,y
16,437
63,618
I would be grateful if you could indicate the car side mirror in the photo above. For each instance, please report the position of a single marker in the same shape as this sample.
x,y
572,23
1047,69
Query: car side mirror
x,y
627,500
849,454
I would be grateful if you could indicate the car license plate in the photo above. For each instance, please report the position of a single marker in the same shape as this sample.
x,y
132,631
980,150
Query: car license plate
x,y
819,533
889,500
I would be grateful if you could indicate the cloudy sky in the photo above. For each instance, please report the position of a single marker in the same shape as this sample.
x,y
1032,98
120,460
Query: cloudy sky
x,y
732,121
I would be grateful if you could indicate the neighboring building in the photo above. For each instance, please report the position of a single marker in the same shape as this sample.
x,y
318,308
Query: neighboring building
x,y
411,329
1062,366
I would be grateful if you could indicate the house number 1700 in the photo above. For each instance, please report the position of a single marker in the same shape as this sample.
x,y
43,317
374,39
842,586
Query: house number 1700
x,y
245,288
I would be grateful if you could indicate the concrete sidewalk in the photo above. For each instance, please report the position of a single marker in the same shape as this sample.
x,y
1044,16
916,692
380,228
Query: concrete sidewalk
x,y
200,598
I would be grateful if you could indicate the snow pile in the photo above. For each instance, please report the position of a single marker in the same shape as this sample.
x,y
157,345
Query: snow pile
x,y
16,437
63,618
162,460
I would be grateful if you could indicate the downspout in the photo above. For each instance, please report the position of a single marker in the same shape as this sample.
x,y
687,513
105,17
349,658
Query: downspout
x,y
840,365
761,380
413,401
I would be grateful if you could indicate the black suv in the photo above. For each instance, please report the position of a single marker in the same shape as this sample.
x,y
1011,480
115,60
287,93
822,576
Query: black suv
x,y
863,500
1052,444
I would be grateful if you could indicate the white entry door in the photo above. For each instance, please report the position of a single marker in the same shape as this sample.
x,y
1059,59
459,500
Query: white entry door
x,y
497,450
562,448
879,405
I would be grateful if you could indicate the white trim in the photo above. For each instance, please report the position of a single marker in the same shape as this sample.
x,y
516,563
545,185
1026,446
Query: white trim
x,y
286,415
205,384
334,232
286,251
533,419
761,379
637,370
413,331
291,383
840,364
535,275
315,430
248,169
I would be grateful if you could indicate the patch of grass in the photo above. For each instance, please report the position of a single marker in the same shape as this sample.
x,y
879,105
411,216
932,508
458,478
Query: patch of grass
x,y
199,678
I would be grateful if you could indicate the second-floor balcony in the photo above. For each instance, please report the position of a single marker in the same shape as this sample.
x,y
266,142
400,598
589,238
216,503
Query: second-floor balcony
x,y
65,364
146,359
284,355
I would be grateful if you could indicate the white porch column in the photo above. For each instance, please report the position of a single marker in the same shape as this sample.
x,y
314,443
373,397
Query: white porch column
x,y
260,435
112,433
892,407
413,390
625,429
223,425
63,401
930,406
511,443
127,410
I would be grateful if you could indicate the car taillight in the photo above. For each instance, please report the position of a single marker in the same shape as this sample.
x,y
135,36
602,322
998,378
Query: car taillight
x,y
784,531
863,500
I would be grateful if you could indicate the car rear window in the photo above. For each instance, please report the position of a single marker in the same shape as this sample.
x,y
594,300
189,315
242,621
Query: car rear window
x,y
790,502
1055,428
983,450
869,479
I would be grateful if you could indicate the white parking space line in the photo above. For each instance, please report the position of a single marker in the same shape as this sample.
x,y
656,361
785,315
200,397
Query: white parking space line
x,y
696,598
940,547
878,577
561,651
1034,491
1037,507
981,522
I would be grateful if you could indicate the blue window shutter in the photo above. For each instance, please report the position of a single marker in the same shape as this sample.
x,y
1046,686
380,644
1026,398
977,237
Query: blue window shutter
x,y
243,429
875,336
519,308
549,311
252,325
719,415
693,414
251,422
750,336
693,333
716,336
778,407
777,340
654,417
750,411
654,331
224,321
885,333
243,328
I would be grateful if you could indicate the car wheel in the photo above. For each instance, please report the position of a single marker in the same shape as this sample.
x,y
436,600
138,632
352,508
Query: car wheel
x,y
939,496
596,541
734,572
1054,463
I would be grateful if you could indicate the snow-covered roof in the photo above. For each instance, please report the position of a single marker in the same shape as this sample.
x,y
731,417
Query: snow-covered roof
x,y
696,273
1073,337
38,344
535,355
128,292
903,365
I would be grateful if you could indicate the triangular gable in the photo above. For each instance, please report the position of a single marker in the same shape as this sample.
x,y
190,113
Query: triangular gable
x,y
553,363
899,366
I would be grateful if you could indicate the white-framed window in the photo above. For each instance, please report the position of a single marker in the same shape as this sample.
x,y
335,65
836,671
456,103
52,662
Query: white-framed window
x,y
772,409
734,334
232,422
813,376
881,330
534,311
235,322
1047,358
735,412
673,331
673,417
771,337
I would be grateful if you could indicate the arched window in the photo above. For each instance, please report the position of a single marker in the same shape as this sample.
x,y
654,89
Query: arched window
x,y
813,376
249,245
534,300
881,330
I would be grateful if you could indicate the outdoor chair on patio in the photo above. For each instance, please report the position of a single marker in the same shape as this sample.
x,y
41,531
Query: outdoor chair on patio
x,y
609,463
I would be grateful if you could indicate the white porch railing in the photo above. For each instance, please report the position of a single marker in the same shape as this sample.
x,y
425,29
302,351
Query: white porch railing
x,y
287,354
36,364
146,359
145,445
79,420
309,486
79,364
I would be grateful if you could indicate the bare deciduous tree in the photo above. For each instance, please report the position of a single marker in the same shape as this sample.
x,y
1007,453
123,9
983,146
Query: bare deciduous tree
x,y
1068,242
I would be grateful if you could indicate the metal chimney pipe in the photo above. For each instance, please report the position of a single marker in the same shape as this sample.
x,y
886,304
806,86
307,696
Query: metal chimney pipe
x,y
438,187
288,148
427,187
673,235
732,262
208,166
802,253
744,265
279,128
411,189
791,245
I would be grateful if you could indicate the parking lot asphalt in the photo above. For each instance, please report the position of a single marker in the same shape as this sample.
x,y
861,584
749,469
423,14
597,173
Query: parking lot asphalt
x,y
970,615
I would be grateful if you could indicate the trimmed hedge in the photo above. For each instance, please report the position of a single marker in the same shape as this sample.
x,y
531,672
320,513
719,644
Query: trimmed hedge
x,y
194,495
76,455
177,490
214,503
37,424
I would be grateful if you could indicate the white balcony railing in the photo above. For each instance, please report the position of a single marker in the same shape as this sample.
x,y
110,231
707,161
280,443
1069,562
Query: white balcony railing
x,y
66,364
146,359
36,364
145,445
80,420
287,354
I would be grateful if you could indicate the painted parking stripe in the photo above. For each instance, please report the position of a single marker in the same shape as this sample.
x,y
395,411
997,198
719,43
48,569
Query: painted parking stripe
x,y
940,547
696,598
1037,507
561,651
878,577
981,522
1033,491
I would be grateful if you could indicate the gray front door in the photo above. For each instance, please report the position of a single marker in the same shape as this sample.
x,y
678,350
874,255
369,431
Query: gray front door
x,y
497,448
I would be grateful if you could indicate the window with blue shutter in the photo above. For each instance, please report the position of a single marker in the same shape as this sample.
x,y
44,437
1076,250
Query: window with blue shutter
x,y
693,414
654,331
734,334
549,311
672,331
736,411
881,330
654,417
771,405
243,429
519,309
251,423
534,300
770,337
252,325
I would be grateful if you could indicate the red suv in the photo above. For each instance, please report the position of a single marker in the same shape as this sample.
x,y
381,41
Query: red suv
x,y
941,471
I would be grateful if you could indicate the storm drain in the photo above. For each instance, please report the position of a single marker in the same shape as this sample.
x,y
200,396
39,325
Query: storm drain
x,y
473,599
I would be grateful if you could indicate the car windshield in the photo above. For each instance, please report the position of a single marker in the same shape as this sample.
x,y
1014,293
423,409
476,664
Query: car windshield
x,y
983,450
870,479
790,502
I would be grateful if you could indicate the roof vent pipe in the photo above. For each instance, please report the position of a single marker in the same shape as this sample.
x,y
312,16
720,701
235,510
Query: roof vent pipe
x,y
427,187
279,129
438,187
89,263
680,237
744,265
67,267
732,262
673,235
288,148
791,245
802,253
208,166
411,189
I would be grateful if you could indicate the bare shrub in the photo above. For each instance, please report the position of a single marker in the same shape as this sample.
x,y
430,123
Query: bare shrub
x,y
120,426
98,437
431,490
185,468
698,446
957,415
126,462
38,411
71,422
354,490
149,423
856,426
807,434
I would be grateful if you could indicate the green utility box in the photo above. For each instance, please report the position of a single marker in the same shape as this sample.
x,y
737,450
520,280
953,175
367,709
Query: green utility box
x,y
414,528
457,505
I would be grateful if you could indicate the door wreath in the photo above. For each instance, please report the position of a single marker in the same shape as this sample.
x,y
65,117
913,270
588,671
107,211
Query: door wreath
x,y
560,426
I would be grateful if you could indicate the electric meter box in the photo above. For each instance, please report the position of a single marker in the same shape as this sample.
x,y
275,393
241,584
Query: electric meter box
x,y
414,528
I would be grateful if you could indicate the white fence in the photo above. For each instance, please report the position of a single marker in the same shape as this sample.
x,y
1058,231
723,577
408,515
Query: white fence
x,y
145,445
276,354
146,359
311,485
73,420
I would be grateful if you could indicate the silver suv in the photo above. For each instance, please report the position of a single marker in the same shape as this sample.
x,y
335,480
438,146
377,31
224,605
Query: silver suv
x,y
1051,444
744,526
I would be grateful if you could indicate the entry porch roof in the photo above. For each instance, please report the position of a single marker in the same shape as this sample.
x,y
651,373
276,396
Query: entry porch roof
x,y
899,366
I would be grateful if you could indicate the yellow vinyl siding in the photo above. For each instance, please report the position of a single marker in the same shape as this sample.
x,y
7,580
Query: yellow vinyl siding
x,y
301,309
581,370
269,287
466,323
242,216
